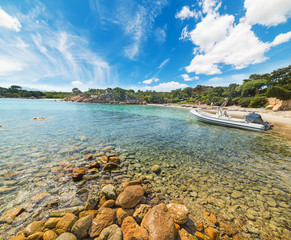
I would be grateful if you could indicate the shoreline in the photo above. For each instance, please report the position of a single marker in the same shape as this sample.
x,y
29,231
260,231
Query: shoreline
x,y
280,119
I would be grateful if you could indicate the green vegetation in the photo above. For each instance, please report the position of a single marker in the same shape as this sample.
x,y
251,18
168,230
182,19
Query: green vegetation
x,y
252,93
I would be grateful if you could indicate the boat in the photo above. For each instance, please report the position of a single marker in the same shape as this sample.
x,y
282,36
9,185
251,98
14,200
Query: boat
x,y
252,121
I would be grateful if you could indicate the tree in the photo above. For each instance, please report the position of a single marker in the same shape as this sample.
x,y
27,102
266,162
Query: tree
x,y
250,88
76,91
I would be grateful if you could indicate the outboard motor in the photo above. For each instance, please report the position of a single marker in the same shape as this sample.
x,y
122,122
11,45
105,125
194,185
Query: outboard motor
x,y
256,118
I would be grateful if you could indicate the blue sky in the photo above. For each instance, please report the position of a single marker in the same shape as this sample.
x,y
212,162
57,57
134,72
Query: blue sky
x,y
138,44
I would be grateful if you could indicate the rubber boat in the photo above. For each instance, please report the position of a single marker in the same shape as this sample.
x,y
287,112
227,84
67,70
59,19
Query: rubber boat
x,y
252,121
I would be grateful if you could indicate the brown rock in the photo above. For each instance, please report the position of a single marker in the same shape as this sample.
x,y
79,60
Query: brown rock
x,y
210,217
211,233
178,212
112,232
94,165
35,236
92,213
156,169
50,235
93,199
81,227
88,157
59,231
230,231
109,204
39,196
131,183
184,235
157,224
78,173
108,148
140,212
66,222
56,169
34,227
10,214
199,227
104,159
51,223
130,197
114,159
105,218
93,170
130,229
120,215
110,167
14,174
67,236
19,237
200,236
102,201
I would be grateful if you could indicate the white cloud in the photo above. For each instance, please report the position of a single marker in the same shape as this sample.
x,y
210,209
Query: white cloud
x,y
281,38
160,35
219,40
224,82
76,83
267,12
186,13
185,34
151,80
187,78
9,22
165,87
164,63
8,65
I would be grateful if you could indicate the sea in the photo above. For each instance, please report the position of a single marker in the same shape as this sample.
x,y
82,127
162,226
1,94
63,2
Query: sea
x,y
242,177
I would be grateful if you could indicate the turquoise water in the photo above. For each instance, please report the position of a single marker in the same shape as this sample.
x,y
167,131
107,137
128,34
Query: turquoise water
x,y
209,167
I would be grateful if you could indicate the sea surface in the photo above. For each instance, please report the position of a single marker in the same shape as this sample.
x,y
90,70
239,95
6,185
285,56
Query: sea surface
x,y
242,177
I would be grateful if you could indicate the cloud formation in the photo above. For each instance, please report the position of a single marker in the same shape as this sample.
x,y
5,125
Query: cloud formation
x,y
187,78
186,13
219,40
151,80
165,87
9,22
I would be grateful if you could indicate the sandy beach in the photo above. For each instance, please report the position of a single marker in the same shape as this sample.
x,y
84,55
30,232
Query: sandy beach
x,y
280,119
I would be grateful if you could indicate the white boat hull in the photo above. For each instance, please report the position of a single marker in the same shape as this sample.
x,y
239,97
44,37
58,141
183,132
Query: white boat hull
x,y
228,122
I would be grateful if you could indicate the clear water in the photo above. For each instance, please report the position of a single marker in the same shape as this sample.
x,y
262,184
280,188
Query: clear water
x,y
230,172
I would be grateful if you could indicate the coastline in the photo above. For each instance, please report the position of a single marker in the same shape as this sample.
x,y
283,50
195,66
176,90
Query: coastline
x,y
280,119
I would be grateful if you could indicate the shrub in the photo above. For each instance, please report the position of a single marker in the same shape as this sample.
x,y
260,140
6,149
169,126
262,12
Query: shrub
x,y
235,100
244,102
258,102
278,92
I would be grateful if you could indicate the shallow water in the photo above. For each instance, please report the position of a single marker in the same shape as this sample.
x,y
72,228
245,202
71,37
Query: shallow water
x,y
243,177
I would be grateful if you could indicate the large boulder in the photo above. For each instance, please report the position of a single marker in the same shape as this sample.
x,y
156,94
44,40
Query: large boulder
x,y
112,232
157,224
130,229
81,227
130,197
178,212
33,227
105,218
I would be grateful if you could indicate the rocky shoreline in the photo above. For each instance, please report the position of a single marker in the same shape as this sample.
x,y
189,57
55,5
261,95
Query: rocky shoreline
x,y
113,210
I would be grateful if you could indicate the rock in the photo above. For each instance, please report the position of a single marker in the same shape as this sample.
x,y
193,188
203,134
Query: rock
x,y
67,236
156,169
39,196
50,235
114,159
120,215
93,170
19,237
184,235
130,197
104,159
236,194
51,222
102,201
230,231
94,165
109,204
131,183
112,232
93,199
10,214
105,218
78,173
140,212
33,227
35,236
211,233
88,157
178,212
199,227
92,213
109,191
110,167
81,227
130,229
39,118
157,224
210,217
200,236
64,211
66,222
108,148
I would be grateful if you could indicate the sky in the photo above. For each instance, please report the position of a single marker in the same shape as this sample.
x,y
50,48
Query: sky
x,y
161,45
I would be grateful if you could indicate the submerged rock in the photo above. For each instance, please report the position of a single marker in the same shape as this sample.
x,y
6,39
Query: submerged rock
x,y
64,211
78,173
10,214
178,212
130,197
